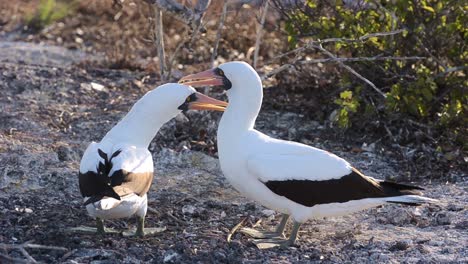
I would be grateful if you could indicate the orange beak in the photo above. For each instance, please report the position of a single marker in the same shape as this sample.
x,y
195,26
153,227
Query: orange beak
x,y
204,102
205,78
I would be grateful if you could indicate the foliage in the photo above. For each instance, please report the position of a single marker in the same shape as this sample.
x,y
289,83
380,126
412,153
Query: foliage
x,y
432,91
48,12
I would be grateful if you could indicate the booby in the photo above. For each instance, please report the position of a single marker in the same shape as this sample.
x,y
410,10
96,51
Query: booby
x,y
116,173
295,179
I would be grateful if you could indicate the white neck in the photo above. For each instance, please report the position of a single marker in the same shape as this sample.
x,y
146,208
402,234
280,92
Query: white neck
x,y
241,113
137,128
144,120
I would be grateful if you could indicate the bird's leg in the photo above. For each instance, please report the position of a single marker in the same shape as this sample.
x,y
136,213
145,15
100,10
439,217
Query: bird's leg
x,y
282,225
277,241
267,234
141,231
100,226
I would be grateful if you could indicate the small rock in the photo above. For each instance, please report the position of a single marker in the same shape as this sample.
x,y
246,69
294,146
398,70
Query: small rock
x,y
396,216
98,87
443,219
171,257
368,148
188,209
400,245
223,214
462,225
268,213
454,207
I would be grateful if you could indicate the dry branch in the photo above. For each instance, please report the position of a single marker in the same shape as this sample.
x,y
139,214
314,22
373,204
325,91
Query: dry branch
x,y
260,33
159,40
336,59
190,17
22,249
234,229
351,70
218,34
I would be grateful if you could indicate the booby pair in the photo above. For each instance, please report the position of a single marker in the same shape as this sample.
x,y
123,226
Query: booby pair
x,y
116,173
295,179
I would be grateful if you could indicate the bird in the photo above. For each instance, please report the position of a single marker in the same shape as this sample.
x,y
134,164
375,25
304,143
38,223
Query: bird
x,y
116,173
300,181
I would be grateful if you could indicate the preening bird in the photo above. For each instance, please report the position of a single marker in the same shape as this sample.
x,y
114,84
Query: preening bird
x,y
295,179
116,173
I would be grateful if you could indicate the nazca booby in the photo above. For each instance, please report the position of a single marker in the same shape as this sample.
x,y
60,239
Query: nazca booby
x,y
116,173
295,179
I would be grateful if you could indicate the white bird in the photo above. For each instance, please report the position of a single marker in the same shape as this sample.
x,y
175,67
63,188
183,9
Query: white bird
x,y
116,173
295,179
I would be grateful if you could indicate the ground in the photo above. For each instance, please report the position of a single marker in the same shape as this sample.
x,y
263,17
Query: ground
x,y
52,107
65,85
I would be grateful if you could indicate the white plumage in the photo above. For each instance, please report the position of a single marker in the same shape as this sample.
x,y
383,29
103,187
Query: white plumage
x,y
293,178
116,173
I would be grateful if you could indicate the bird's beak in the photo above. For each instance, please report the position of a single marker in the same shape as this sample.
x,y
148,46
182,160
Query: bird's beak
x,y
204,102
205,78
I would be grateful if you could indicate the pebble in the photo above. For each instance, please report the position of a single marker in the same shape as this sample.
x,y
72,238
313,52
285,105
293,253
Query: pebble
x,y
443,219
171,257
188,209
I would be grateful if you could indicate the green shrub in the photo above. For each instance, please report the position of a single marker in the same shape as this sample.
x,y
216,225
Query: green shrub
x,y
48,12
432,91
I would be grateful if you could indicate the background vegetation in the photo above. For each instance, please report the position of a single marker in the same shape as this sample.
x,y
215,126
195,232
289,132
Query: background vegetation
x,y
392,72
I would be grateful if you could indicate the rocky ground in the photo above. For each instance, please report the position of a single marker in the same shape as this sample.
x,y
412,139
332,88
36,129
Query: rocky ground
x,y
53,104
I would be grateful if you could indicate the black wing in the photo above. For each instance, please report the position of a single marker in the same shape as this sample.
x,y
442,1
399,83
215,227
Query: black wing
x,y
353,186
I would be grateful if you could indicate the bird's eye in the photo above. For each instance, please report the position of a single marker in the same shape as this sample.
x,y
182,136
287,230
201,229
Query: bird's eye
x,y
192,97
220,72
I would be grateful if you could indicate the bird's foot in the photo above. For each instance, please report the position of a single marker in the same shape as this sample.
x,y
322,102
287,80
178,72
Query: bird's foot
x,y
92,230
260,234
273,243
144,232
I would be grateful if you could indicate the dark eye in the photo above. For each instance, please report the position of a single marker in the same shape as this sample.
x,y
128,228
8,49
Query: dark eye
x,y
219,72
192,97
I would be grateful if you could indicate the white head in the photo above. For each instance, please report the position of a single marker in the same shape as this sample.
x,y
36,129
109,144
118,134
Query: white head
x,y
241,82
157,107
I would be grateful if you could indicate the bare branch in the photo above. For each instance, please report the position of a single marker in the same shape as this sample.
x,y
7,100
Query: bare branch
x,y
22,249
337,59
170,65
260,33
159,33
351,70
190,17
218,34
361,38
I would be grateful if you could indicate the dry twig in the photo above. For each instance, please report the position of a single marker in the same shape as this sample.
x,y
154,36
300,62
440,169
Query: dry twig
x,y
234,229
336,59
260,33
218,34
351,70
22,249
159,33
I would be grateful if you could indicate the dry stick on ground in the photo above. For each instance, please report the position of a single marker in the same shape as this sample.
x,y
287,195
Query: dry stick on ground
x,y
234,229
159,33
22,249
259,33
218,33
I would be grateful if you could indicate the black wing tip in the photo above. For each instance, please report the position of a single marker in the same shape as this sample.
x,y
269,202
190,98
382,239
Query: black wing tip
x,y
102,154
401,186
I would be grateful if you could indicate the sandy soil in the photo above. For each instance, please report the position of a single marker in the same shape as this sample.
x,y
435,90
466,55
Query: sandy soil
x,y
50,112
